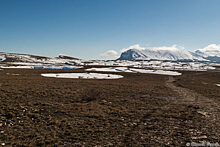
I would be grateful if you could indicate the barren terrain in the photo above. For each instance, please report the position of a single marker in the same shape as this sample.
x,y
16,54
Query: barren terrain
x,y
137,110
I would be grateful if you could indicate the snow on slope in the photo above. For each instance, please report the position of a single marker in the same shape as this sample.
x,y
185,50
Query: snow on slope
x,y
173,53
12,60
134,70
23,58
83,75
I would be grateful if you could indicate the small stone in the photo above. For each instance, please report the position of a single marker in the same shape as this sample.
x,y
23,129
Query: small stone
x,y
203,113
200,137
104,101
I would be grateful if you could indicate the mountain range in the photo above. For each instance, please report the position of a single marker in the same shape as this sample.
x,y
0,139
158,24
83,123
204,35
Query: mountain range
x,y
211,55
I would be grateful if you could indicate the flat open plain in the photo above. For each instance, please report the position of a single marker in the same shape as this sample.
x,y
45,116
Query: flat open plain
x,y
137,110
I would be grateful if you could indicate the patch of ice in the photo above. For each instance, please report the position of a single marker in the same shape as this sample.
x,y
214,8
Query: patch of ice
x,y
134,70
82,75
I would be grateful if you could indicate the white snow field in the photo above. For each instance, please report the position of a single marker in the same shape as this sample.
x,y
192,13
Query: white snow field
x,y
82,75
42,67
189,66
133,70
19,67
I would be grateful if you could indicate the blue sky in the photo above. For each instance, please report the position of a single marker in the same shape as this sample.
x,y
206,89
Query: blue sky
x,y
88,28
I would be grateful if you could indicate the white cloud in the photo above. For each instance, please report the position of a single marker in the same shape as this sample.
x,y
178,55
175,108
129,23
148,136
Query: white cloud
x,y
210,50
211,47
109,53
173,47
136,46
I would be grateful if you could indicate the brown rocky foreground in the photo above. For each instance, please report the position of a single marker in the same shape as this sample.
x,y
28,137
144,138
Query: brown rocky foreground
x,y
137,110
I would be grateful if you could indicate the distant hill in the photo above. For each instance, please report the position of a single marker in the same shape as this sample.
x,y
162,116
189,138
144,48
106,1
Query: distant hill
x,y
26,58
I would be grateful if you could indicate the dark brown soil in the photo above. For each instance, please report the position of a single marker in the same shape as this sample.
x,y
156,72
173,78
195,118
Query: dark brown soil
x,y
138,110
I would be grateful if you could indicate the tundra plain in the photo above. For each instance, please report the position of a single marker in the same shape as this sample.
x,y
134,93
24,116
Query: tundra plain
x,y
136,110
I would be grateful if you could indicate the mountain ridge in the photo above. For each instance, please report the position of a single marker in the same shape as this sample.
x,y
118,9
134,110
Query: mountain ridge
x,y
171,55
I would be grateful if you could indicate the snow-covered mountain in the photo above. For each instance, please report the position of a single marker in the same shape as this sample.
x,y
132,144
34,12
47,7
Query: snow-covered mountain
x,y
158,54
172,54
210,50
211,53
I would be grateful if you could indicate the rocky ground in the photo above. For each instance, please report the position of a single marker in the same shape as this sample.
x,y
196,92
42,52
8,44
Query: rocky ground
x,y
137,110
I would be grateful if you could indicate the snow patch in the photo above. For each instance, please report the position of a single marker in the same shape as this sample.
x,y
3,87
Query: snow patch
x,y
42,67
82,75
56,67
20,67
134,70
218,85
2,58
